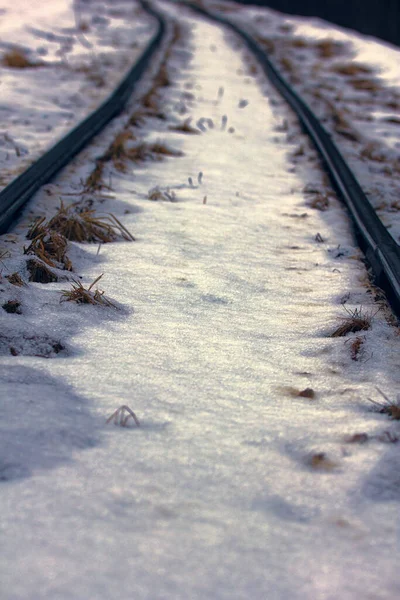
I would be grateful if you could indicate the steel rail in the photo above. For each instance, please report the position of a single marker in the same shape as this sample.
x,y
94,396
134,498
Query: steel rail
x,y
20,190
380,249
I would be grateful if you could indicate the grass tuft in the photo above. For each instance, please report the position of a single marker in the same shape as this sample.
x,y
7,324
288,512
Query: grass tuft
x,y
158,193
118,152
15,279
365,85
85,227
373,152
321,462
16,58
351,69
388,407
319,201
40,272
356,347
161,149
329,48
94,183
185,127
354,322
137,118
12,307
357,438
49,246
81,295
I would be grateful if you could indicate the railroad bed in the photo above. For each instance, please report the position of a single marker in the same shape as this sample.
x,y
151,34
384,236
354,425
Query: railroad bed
x,y
259,468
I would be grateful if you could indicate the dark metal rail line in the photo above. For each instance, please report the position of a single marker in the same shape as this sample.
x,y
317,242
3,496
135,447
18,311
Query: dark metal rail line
x,y
21,189
381,251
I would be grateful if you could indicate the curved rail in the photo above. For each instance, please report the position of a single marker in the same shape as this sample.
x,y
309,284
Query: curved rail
x,y
381,250
21,189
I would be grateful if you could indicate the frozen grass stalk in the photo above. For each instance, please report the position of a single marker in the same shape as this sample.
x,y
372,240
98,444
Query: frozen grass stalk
x,y
81,295
388,407
121,419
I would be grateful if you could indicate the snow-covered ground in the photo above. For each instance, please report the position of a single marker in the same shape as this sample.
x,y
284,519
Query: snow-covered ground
x,y
260,469
352,82
58,61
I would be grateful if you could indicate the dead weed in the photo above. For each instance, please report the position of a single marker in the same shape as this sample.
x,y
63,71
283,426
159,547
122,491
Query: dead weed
x,y
355,321
16,58
185,127
81,295
388,407
86,227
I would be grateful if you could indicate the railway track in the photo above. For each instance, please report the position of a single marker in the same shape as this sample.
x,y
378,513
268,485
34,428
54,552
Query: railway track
x,y
381,251
15,195
215,328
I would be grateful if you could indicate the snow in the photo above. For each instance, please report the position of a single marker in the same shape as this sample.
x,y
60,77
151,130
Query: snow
x,y
369,118
83,50
234,486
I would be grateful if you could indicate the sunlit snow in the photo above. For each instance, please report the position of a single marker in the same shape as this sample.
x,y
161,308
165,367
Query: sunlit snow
x,y
237,485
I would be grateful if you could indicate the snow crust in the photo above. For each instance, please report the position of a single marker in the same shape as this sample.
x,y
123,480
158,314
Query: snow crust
x,y
235,486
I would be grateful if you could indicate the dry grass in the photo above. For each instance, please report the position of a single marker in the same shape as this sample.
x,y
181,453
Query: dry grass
x,y
339,119
296,393
373,152
185,127
160,149
288,65
94,182
319,201
12,307
356,347
300,151
351,69
321,462
354,322
140,153
137,118
348,134
329,48
286,28
267,43
81,295
16,279
393,105
365,85
86,227
40,272
388,407
145,151
357,438
17,59
92,75
394,206
48,245
299,43
162,78
394,120
118,151
150,101
158,193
